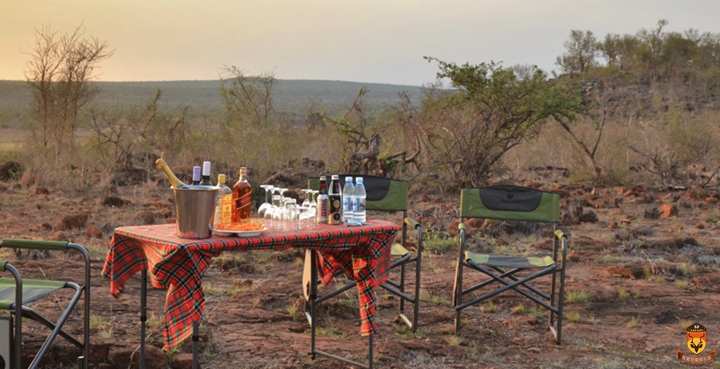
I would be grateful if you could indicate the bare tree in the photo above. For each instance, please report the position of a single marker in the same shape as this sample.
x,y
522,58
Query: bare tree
x,y
248,97
59,73
600,101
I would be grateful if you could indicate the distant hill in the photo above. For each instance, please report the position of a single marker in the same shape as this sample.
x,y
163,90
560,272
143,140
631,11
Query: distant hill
x,y
291,95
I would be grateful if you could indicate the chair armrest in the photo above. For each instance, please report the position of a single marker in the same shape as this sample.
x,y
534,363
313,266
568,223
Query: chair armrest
x,y
560,235
34,244
2,265
412,223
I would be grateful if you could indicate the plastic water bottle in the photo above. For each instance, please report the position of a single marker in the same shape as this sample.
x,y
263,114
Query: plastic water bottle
x,y
359,213
348,194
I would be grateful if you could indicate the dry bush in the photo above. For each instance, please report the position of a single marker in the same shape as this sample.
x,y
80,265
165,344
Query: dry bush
x,y
676,145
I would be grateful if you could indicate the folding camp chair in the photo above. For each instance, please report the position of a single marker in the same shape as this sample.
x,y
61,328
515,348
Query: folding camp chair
x,y
16,292
383,195
513,203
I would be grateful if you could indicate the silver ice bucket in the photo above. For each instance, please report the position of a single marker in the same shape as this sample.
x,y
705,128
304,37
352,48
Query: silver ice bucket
x,y
194,211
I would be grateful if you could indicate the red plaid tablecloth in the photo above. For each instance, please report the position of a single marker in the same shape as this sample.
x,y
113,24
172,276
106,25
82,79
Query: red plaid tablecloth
x,y
179,264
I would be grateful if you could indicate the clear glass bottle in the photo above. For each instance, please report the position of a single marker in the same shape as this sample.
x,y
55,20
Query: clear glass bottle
x,y
205,181
174,181
348,196
241,197
223,209
359,212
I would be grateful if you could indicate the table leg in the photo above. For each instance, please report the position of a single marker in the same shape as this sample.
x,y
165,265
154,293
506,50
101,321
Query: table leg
x,y
313,297
143,315
313,321
370,355
195,339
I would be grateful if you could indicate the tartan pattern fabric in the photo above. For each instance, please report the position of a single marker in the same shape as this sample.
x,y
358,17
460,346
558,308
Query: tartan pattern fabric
x,y
179,264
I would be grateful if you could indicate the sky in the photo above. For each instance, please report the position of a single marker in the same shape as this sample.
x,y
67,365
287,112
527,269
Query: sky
x,y
371,41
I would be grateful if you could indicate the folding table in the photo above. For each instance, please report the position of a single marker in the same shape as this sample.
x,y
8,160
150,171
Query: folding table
x,y
179,264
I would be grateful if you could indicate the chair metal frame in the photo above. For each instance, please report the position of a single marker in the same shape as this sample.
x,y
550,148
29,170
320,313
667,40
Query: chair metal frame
x,y
506,275
310,280
55,328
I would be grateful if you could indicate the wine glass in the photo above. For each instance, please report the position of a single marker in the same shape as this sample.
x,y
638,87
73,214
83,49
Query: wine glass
x,y
266,205
274,210
313,202
280,191
307,192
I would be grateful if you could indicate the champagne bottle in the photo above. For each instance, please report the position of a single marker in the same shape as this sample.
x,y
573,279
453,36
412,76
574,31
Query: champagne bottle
x,y
174,181
242,197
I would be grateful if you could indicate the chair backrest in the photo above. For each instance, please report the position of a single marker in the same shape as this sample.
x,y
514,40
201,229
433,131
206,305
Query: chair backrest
x,y
383,194
505,202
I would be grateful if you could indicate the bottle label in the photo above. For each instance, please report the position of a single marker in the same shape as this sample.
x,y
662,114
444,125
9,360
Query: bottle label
x,y
334,210
359,205
226,209
322,210
347,204
245,200
243,205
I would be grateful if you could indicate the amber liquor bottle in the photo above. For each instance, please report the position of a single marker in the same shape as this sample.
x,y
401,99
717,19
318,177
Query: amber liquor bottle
x,y
242,197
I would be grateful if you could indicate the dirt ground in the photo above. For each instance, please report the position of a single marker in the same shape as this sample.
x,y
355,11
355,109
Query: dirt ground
x,y
643,267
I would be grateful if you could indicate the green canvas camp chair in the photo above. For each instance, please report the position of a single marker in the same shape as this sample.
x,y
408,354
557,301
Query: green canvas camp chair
x,y
17,292
513,203
383,195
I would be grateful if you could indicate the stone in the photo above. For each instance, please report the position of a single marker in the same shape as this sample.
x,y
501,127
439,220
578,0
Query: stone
x,y
573,256
588,217
182,361
475,222
505,240
668,210
697,193
10,170
93,232
59,236
114,201
596,203
148,218
453,226
74,221
653,213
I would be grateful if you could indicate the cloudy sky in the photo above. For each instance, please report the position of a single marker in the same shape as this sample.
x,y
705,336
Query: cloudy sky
x,y
381,41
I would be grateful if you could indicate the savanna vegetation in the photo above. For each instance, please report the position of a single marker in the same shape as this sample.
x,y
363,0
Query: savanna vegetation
x,y
623,109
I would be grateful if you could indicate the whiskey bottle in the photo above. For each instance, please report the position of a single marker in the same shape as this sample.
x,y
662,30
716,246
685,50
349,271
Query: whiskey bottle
x,y
241,197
